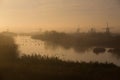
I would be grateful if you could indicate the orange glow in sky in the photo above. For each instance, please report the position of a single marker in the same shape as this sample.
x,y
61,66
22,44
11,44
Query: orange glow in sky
x,y
63,15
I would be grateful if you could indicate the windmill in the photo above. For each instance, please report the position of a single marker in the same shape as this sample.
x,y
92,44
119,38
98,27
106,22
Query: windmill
x,y
78,30
7,29
92,30
107,29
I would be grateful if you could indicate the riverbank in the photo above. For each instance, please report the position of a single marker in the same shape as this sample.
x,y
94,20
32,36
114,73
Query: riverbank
x,y
32,68
83,40
43,68
37,67
8,49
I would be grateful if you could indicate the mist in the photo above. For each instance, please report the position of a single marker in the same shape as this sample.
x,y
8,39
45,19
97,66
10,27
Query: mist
x,y
59,39
62,15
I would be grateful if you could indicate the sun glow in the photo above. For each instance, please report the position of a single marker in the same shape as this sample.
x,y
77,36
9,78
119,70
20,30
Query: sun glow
x,y
22,15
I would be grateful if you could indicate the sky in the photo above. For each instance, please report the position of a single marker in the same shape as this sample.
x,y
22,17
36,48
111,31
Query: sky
x,y
60,15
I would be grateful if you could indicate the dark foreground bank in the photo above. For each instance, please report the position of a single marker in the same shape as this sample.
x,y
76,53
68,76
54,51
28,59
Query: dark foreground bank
x,y
44,68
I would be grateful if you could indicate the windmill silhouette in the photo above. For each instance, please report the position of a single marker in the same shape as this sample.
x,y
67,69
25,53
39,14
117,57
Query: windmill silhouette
x,y
107,29
78,29
7,29
92,30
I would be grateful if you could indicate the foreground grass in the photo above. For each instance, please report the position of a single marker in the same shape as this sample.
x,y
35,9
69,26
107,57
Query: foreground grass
x,y
34,68
44,68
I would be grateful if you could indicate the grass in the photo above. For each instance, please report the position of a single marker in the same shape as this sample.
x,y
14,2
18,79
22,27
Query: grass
x,y
43,68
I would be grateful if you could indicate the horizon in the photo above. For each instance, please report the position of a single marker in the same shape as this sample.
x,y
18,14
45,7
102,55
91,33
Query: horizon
x,y
59,15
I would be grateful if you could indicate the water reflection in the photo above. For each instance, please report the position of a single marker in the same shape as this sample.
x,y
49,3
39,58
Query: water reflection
x,y
30,46
78,49
115,52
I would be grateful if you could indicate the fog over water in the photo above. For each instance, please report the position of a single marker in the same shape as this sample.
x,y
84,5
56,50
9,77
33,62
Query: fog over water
x,y
59,39
29,46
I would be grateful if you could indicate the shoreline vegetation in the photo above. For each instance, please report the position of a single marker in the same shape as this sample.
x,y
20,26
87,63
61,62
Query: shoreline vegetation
x,y
106,40
82,41
43,68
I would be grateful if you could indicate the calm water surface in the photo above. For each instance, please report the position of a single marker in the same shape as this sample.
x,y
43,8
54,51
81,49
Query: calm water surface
x,y
29,46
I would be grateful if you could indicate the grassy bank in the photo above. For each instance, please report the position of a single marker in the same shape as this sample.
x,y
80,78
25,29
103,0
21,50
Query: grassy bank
x,y
8,49
44,68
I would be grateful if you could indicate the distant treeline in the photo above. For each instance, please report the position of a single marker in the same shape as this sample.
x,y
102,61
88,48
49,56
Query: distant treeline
x,y
37,67
80,39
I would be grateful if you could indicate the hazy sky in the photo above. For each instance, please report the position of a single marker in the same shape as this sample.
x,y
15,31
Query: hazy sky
x,y
29,15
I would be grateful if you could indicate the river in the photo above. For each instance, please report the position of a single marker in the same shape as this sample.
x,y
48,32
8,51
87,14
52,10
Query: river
x,y
29,46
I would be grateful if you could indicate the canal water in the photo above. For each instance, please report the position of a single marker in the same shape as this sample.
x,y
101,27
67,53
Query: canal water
x,y
29,46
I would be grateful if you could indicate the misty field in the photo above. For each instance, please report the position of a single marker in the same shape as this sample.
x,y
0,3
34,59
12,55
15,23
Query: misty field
x,y
37,67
